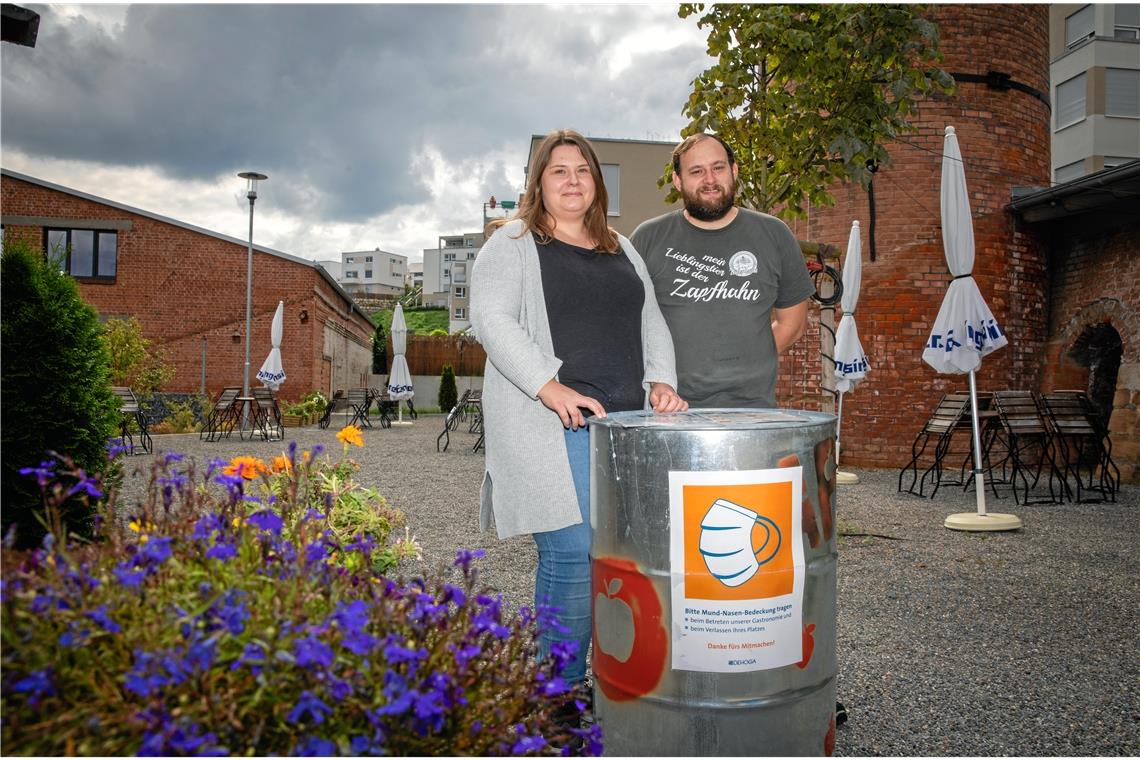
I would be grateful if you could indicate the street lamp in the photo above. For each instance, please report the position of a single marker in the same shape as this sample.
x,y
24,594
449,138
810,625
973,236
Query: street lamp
x,y
251,178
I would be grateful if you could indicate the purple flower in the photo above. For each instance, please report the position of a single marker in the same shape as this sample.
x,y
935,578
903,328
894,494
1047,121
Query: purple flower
x,y
74,636
464,655
86,484
115,447
352,616
464,557
396,654
229,612
359,643
363,543
44,473
526,744
36,685
311,705
267,520
253,656
171,458
206,526
313,746
338,688
222,550
317,551
312,651
105,621
167,738
156,550
127,576
453,594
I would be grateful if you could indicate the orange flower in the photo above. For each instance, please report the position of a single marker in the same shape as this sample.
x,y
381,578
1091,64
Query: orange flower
x,y
282,464
246,466
350,434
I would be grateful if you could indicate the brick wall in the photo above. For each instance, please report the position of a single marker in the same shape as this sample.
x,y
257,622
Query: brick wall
x,y
1004,137
1095,281
187,287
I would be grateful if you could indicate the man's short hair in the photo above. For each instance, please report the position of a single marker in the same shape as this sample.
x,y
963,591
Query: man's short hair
x,y
690,141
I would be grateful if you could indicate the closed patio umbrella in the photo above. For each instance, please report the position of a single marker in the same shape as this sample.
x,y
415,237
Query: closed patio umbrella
x,y
272,373
851,363
965,329
400,378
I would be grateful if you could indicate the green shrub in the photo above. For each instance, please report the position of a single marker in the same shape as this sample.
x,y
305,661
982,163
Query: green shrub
x,y
55,387
245,612
448,394
438,332
379,351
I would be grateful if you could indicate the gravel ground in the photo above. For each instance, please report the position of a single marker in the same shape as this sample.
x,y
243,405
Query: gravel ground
x,y
962,644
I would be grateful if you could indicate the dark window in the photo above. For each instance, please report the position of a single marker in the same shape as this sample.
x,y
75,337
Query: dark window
x,y
89,254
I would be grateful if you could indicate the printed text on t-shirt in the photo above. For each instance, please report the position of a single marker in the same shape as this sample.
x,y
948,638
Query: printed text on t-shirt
x,y
700,270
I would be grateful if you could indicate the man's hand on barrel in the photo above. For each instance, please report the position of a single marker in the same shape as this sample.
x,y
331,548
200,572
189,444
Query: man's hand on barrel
x,y
568,403
664,399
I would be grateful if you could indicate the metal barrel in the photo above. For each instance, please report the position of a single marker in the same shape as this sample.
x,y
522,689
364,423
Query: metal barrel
x,y
748,666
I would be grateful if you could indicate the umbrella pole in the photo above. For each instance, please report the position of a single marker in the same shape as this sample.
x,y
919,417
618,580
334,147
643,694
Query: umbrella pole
x,y
841,478
980,520
979,475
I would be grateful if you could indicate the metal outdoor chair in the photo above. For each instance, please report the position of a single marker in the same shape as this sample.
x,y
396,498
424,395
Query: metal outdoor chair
x,y
451,422
1082,445
267,415
359,401
1029,442
220,422
939,428
336,403
131,412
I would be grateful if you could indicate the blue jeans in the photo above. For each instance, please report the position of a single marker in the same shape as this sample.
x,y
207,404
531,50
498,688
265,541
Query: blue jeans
x,y
563,578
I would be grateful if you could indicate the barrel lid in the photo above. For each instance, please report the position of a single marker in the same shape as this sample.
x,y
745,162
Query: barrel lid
x,y
715,419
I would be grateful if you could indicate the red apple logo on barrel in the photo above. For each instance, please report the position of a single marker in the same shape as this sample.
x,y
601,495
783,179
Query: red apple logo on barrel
x,y
631,647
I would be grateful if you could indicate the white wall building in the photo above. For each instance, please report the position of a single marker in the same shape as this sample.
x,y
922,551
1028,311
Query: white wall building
x,y
447,275
1094,53
374,272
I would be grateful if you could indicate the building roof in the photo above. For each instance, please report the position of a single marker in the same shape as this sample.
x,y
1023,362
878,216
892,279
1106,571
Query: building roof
x,y
1092,192
200,230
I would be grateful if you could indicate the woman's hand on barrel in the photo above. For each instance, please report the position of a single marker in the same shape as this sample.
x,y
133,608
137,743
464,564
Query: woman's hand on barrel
x,y
664,399
568,403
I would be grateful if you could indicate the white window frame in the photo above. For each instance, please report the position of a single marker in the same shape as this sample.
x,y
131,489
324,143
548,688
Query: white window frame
x,y
1079,166
1126,29
611,177
1075,35
461,312
461,291
1077,84
1125,84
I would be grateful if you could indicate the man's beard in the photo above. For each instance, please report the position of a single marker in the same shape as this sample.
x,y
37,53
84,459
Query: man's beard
x,y
703,211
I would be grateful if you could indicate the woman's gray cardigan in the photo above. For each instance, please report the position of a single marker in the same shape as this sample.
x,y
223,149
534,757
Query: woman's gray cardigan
x,y
527,486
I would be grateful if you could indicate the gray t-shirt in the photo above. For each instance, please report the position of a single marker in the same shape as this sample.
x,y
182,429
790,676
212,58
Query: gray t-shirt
x,y
717,289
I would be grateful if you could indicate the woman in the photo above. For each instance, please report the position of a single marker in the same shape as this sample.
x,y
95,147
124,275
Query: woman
x,y
565,309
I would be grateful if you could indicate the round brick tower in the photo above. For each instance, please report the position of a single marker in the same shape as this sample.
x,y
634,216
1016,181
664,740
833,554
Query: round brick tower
x,y
999,56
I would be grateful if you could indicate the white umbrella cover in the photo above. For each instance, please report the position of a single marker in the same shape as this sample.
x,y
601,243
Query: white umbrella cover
x,y
271,372
851,363
965,329
400,378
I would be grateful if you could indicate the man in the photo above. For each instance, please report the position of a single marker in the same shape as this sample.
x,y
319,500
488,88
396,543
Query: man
x,y
731,282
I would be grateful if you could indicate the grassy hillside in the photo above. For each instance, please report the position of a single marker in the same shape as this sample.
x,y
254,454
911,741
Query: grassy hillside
x,y
420,321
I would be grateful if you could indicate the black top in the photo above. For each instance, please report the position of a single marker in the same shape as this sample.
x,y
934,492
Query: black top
x,y
593,304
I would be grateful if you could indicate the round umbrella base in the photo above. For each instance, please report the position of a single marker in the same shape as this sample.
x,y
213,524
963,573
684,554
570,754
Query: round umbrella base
x,y
846,478
972,521
397,423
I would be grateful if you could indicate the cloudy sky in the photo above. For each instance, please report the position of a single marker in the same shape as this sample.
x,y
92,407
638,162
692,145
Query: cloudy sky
x,y
378,125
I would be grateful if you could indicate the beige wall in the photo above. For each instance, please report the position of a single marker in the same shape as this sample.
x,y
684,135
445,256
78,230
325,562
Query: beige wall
x,y
641,164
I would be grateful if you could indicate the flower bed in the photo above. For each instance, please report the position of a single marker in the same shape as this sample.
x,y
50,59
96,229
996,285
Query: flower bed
x,y
264,621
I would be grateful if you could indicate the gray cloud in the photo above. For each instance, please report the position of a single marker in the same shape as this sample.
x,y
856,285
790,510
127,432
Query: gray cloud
x,y
334,102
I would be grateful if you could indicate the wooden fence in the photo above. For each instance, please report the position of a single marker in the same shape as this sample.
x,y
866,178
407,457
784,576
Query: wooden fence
x,y
427,354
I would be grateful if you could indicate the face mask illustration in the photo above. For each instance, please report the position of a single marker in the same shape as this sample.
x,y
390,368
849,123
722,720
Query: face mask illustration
x,y
726,542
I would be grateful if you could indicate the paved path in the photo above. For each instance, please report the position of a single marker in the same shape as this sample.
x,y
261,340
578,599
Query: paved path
x,y
1020,643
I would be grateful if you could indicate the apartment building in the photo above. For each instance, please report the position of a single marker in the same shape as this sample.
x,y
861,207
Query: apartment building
x,y
374,272
1094,55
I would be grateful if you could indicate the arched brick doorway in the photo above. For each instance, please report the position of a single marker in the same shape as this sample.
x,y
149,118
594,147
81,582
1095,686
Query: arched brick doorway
x,y
1099,350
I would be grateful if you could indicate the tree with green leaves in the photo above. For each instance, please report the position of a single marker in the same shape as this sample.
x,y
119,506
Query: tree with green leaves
x,y
809,95
55,387
134,359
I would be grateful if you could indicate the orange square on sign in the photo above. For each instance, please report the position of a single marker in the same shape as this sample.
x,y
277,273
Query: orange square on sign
x,y
770,537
